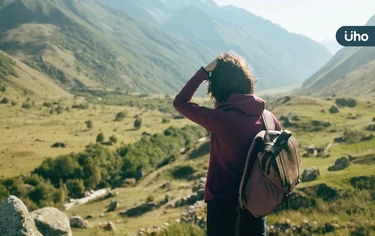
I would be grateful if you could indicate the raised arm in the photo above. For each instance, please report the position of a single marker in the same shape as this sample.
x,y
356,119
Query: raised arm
x,y
206,117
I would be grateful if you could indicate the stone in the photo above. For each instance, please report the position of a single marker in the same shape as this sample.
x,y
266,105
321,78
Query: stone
x,y
51,222
110,226
334,109
78,222
310,174
15,219
340,164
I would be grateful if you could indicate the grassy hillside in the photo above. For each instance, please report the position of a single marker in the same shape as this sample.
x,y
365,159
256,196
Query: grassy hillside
x,y
19,81
165,163
349,72
351,202
84,44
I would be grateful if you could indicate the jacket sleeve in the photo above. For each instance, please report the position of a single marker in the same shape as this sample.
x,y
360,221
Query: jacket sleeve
x,y
210,119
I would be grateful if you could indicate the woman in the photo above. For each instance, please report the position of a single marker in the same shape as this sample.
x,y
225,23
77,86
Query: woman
x,y
233,124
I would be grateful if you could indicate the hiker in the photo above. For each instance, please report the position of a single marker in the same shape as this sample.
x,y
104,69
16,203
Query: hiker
x,y
233,123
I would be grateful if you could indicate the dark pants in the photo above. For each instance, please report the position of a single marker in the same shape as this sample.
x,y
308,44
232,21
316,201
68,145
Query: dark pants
x,y
222,217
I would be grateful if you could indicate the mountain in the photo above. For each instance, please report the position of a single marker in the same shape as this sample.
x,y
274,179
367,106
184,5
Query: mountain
x,y
350,72
278,58
332,45
83,44
18,80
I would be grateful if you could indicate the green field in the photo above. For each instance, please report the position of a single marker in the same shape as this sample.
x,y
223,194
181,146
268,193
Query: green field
x,y
21,153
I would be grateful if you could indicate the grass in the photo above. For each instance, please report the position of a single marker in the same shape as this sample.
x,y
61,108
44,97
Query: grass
x,y
21,153
69,127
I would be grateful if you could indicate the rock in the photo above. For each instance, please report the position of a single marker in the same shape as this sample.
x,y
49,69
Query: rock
x,y
340,164
334,109
51,222
310,174
346,102
15,219
113,206
78,222
110,227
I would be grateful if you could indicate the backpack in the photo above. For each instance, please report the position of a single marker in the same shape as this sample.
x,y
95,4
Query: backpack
x,y
271,171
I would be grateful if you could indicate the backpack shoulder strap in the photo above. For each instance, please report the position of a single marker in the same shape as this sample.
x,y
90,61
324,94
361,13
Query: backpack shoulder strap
x,y
268,120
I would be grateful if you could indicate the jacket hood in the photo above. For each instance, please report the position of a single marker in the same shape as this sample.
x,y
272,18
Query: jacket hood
x,y
247,103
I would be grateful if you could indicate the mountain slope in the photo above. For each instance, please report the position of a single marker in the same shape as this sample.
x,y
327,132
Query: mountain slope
x,y
20,80
86,44
279,58
350,72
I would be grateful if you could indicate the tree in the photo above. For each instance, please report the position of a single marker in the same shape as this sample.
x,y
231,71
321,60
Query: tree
x,y
120,116
138,123
76,188
113,139
100,138
89,124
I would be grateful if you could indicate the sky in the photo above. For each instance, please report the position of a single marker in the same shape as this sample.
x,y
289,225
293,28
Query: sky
x,y
316,19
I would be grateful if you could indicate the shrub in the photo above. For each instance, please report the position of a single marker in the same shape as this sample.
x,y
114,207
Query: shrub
x,y
26,105
3,88
150,199
138,123
76,188
120,116
165,120
353,136
182,172
183,229
82,106
4,101
113,139
47,104
89,124
100,138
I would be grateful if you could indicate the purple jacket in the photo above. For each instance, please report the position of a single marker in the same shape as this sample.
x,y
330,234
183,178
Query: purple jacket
x,y
233,126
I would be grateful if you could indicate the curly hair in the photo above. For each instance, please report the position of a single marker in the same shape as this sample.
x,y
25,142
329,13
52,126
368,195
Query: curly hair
x,y
231,75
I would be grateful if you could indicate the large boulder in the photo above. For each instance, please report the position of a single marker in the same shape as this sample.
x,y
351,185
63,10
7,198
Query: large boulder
x,y
310,174
340,164
15,219
51,222
78,222
334,109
